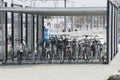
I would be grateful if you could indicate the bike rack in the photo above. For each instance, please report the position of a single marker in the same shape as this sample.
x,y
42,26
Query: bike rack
x,y
35,19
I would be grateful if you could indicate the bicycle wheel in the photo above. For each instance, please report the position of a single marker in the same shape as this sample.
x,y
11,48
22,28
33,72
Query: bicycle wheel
x,y
19,58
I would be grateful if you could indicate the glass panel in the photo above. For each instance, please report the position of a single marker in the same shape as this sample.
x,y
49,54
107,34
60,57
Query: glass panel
x,y
3,54
30,33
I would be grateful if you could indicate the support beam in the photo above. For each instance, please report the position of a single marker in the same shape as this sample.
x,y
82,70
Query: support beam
x,y
108,32
58,11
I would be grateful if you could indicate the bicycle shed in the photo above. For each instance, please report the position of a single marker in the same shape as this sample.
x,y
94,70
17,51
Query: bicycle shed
x,y
34,17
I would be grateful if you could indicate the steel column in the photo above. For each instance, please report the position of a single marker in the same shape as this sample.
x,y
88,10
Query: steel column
x,y
21,28
65,17
6,33
33,30
26,30
111,31
12,29
108,28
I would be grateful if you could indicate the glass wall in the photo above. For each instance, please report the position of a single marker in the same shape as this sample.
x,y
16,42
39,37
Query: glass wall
x,y
3,35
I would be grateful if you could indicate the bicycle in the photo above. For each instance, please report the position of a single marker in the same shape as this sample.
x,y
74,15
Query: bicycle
x,y
20,51
69,54
49,54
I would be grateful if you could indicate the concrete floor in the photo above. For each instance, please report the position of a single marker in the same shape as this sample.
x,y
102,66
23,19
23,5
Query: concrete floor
x,y
59,71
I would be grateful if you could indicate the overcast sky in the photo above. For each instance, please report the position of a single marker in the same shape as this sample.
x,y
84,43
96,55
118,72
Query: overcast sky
x,y
70,3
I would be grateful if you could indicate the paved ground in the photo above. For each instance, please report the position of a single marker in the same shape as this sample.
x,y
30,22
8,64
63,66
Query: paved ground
x,y
60,72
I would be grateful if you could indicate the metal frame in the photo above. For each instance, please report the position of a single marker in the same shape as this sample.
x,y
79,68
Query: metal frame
x,y
117,31
26,25
58,11
43,31
21,15
112,18
111,31
33,30
40,33
12,30
37,22
6,33
114,30
12,24
112,24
